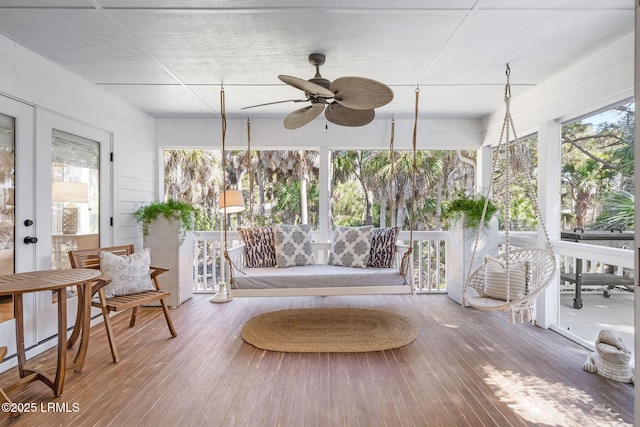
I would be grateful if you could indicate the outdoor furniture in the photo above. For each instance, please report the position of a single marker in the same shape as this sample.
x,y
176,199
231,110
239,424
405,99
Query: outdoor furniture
x,y
90,258
608,278
57,281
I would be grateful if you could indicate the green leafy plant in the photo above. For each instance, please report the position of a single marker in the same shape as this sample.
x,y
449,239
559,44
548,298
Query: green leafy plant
x,y
471,209
171,209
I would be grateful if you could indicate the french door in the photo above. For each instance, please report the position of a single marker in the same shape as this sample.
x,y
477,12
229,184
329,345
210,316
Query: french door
x,y
39,153
74,191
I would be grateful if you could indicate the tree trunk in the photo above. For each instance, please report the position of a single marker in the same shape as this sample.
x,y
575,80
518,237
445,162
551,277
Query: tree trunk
x,y
582,206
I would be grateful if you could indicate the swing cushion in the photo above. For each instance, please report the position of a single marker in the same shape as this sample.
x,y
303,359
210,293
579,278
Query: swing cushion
x,y
292,245
383,247
351,247
495,279
259,250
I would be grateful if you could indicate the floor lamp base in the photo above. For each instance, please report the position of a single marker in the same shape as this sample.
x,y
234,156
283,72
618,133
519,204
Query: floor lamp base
x,y
222,295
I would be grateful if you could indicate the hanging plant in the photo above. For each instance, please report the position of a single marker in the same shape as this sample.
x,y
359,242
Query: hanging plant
x,y
171,209
469,208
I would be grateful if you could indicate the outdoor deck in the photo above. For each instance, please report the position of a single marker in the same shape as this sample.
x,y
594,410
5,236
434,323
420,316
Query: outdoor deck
x,y
465,368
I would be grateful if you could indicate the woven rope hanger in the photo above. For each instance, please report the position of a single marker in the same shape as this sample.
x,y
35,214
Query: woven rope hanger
x,y
542,260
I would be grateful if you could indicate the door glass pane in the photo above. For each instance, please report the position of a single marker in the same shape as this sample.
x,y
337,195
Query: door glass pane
x,y
75,195
7,203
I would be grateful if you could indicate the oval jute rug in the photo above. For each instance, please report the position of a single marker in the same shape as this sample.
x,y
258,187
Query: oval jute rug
x,y
329,330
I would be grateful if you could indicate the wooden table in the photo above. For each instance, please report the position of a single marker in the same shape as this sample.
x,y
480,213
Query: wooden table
x,y
57,281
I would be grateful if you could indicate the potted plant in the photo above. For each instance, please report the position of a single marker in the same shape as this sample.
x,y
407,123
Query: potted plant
x,y
166,230
464,214
469,210
170,210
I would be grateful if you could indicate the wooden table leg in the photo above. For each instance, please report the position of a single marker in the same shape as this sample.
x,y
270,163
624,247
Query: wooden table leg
x,y
57,383
62,341
85,314
19,319
77,327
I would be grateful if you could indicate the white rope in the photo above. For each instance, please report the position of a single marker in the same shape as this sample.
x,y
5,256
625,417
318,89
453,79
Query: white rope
x,y
524,308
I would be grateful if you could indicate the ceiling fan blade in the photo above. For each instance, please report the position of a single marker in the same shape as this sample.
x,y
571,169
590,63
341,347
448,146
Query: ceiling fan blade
x,y
303,116
343,116
306,86
360,93
276,102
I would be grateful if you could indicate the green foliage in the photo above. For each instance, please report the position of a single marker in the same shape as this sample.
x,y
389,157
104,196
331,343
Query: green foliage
x,y
472,208
618,212
347,205
171,209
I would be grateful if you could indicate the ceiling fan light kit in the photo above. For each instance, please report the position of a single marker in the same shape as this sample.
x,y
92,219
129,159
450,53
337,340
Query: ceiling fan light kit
x,y
347,101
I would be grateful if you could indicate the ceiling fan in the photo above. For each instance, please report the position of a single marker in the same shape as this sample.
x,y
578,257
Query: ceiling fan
x,y
347,101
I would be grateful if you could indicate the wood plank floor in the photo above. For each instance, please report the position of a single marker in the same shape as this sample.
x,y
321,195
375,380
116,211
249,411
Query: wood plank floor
x,y
466,368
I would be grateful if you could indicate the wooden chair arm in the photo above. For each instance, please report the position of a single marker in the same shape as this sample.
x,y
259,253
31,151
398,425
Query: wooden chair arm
x,y
99,283
156,271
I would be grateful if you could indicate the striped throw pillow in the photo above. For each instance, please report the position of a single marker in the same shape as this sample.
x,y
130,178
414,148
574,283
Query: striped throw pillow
x,y
495,279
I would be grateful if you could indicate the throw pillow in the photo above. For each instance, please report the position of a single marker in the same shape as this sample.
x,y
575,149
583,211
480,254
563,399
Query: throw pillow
x,y
495,279
129,274
259,250
351,247
292,245
383,247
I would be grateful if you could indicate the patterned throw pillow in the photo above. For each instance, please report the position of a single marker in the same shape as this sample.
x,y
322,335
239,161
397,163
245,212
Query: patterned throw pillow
x,y
495,279
129,274
383,247
259,250
351,247
292,245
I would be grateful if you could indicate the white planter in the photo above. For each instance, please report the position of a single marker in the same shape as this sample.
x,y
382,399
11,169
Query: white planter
x,y
173,249
461,250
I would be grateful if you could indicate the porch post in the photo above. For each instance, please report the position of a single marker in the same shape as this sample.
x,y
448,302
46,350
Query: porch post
x,y
636,320
323,203
484,164
549,163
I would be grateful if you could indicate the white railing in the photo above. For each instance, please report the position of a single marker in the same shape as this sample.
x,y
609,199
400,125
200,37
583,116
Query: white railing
x,y
595,258
429,255
207,258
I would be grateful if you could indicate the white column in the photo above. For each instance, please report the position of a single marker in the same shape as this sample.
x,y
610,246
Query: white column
x,y
636,404
484,164
323,203
549,161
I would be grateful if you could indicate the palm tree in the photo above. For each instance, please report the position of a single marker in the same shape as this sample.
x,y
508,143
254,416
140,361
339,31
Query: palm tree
x,y
378,169
194,177
618,212
277,168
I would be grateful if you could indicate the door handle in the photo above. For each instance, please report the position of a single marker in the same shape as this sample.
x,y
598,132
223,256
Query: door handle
x,y
30,239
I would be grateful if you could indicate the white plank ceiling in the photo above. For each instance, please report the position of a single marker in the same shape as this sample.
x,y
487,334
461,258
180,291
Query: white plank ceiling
x,y
169,58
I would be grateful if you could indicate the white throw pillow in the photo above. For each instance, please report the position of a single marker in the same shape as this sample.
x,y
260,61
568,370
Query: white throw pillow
x,y
351,246
293,245
129,274
495,279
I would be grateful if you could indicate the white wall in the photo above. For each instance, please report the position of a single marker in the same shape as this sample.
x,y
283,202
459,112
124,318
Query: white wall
x,y
271,134
36,81
589,85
